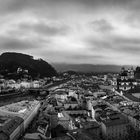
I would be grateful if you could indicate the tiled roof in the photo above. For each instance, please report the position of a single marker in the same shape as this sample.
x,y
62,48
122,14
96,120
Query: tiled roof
x,y
90,124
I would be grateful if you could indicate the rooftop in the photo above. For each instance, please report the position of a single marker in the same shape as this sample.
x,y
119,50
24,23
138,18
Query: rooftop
x,y
116,119
63,116
90,124
21,109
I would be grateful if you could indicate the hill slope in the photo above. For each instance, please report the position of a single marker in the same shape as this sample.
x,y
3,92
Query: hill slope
x,y
11,61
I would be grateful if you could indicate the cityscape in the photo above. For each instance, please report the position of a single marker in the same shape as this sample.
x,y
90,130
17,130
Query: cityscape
x,y
69,70
69,105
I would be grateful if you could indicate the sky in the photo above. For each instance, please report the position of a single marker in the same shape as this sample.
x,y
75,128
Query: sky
x,y
72,31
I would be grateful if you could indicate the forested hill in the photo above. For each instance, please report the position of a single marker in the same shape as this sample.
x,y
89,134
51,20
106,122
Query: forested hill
x,y
11,61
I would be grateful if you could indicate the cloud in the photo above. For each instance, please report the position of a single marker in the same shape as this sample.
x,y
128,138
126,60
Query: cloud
x,y
126,40
116,44
133,19
102,25
127,45
8,6
45,29
11,43
72,30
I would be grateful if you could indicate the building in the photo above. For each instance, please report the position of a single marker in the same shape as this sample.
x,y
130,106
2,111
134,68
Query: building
x,y
34,136
99,94
90,108
93,128
114,126
73,93
71,103
11,128
26,110
96,108
133,116
65,120
61,96
126,80
137,75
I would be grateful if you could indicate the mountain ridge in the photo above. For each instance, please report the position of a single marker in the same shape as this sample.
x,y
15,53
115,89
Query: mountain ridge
x,y
61,67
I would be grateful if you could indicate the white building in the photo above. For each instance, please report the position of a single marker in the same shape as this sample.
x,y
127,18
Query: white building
x,y
26,110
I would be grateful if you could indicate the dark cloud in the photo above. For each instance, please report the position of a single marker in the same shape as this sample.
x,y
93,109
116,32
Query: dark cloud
x,y
21,5
98,44
116,44
11,43
126,40
45,29
133,19
127,45
101,25
133,50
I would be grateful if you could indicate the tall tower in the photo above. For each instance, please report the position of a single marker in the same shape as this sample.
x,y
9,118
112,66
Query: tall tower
x,y
132,73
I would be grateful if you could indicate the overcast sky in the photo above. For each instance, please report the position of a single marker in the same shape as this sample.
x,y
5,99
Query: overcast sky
x,y
72,31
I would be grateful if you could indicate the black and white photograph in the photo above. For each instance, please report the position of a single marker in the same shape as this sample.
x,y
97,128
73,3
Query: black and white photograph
x,y
69,69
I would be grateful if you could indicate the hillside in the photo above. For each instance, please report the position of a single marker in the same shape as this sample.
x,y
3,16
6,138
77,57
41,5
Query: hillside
x,y
11,61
